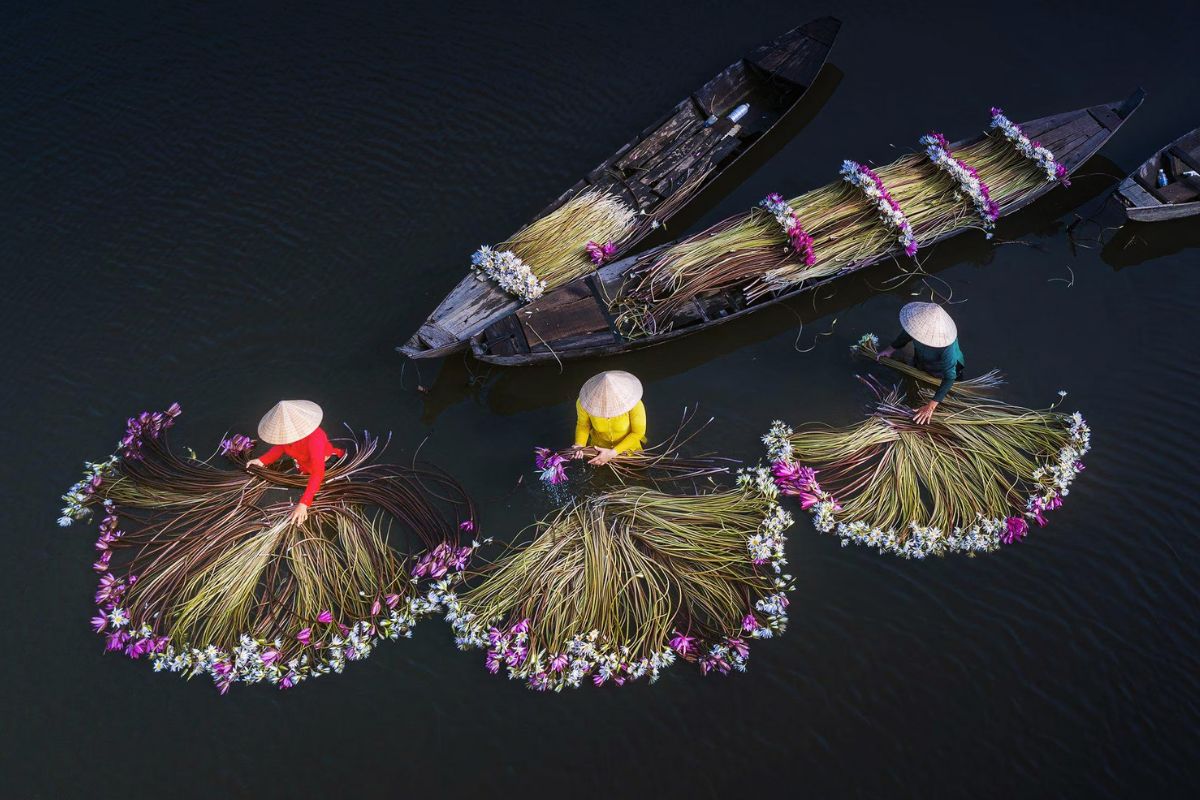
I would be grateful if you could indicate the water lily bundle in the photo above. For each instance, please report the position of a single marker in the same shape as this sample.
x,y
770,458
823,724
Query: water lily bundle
x,y
619,586
971,480
868,215
570,241
660,463
979,386
202,571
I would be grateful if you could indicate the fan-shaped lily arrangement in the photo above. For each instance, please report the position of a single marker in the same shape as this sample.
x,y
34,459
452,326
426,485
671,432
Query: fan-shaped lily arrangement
x,y
971,480
619,586
202,572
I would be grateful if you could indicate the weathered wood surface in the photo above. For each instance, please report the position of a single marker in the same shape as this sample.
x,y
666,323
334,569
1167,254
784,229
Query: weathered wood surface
x,y
661,170
1074,137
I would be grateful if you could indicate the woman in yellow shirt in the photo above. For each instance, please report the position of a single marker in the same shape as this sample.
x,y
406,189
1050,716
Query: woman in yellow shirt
x,y
609,416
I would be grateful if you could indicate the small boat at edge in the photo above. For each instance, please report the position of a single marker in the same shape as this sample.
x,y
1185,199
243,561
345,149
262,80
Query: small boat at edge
x,y
1143,200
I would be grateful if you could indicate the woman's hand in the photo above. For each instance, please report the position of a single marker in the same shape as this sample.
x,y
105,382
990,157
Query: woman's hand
x,y
576,452
886,352
299,514
925,413
603,456
254,462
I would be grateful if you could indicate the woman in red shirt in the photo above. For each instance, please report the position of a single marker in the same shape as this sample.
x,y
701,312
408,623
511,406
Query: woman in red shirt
x,y
294,428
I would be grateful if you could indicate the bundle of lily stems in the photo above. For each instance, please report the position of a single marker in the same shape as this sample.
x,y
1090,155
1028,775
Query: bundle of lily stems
x,y
619,586
969,481
660,463
839,226
202,571
572,240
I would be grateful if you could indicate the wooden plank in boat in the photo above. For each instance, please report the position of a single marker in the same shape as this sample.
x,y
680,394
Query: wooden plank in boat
x,y
685,153
689,171
564,320
576,343
1178,192
1185,157
1061,137
684,118
435,336
797,65
723,92
1136,194
506,337
1106,117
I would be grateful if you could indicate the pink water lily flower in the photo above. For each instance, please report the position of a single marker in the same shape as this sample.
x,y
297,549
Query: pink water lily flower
x,y
376,608
288,681
99,623
304,636
392,600
749,623
682,644
1015,529
269,656
467,526
559,662
325,617
739,646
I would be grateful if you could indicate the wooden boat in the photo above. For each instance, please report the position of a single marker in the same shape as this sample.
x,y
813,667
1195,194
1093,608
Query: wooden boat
x,y
1145,201
663,168
574,321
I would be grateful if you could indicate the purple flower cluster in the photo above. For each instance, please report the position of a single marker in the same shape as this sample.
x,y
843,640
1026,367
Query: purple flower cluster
x,y
1033,150
797,481
865,178
601,253
785,215
938,149
236,445
440,560
551,465
145,426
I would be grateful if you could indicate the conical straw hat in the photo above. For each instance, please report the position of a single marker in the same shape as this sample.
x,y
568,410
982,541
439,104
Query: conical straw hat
x,y
289,421
929,324
610,394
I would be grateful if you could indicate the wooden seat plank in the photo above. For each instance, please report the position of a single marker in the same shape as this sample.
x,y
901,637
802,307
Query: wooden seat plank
x,y
1137,195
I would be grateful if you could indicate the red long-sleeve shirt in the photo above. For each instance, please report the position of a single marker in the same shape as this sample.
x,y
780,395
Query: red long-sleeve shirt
x,y
309,454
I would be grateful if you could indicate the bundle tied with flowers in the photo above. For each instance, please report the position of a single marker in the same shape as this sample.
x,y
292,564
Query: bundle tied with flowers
x,y
867,215
572,240
663,462
203,572
619,586
971,480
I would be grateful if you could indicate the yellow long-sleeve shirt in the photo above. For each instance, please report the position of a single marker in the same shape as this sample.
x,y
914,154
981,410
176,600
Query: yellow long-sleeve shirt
x,y
624,433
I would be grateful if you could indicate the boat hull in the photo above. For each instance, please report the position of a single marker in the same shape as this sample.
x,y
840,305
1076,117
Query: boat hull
x,y
574,324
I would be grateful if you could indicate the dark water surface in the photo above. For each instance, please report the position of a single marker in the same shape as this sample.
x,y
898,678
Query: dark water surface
x,y
225,205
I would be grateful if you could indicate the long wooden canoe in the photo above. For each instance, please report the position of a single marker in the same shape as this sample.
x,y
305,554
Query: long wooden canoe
x,y
1145,201
662,169
574,320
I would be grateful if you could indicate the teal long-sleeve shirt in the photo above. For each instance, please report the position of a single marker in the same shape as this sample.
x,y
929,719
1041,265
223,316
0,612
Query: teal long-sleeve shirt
x,y
945,361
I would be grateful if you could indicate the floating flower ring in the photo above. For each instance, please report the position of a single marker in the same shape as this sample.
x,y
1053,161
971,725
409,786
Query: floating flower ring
x,y
785,215
1034,151
511,273
872,186
938,150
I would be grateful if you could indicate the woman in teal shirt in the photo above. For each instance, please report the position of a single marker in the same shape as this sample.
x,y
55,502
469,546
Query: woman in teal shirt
x,y
934,338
